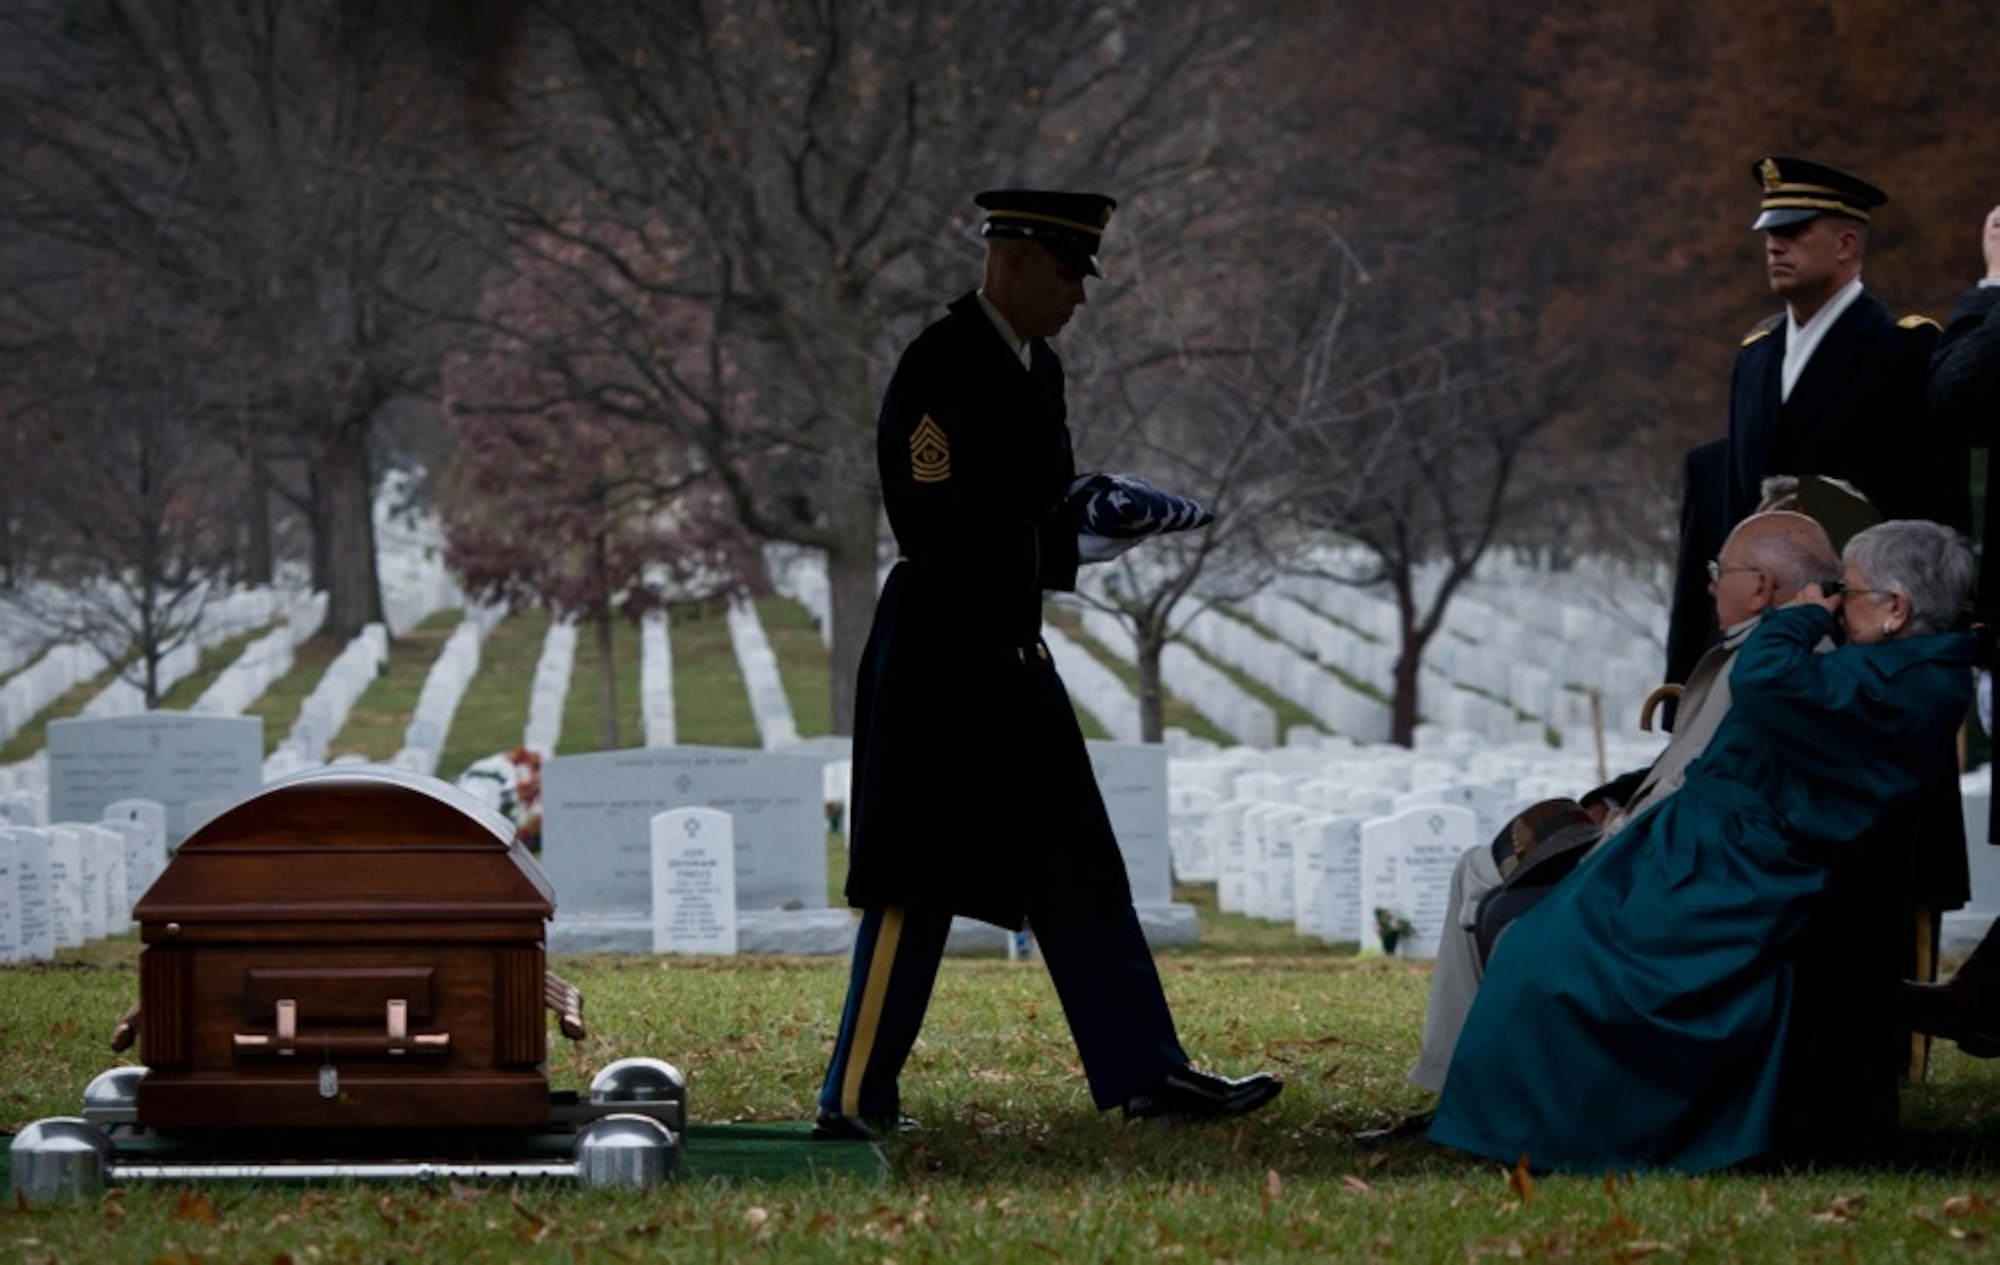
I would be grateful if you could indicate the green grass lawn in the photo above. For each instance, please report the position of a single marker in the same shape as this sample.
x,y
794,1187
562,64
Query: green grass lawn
x,y
1013,1163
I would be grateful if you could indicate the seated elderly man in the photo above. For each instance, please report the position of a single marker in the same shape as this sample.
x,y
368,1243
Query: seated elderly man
x,y
1648,1014
1766,561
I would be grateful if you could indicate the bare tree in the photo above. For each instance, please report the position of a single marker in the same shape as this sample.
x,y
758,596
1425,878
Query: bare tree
x,y
255,162
806,164
130,503
550,501
1403,430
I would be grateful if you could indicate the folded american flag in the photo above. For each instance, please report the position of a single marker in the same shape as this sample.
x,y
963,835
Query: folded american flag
x,y
1124,506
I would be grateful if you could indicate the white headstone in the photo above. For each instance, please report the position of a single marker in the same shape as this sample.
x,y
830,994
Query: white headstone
x,y
10,897
597,813
1232,860
1188,811
694,882
145,857
1965,928
1406,866
150,813
1328,884
68,887
173,758
114,911
1132,777
38,927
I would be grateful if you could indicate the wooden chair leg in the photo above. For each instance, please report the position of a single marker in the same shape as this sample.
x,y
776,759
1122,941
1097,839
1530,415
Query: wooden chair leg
x,y
1923,969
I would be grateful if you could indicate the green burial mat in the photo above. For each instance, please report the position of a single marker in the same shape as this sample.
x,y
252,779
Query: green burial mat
x,y
763,1152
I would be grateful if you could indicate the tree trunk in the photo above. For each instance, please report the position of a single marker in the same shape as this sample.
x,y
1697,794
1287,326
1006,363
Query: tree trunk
x,y
1149,642
607,666
258,566
850,569
347,528
1403,710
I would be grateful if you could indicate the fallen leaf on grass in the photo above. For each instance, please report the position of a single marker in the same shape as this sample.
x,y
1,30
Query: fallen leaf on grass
x,y
1521,1181
1966,1206
1356,1186
1841,1208
460,1193
1273,1184
193,1205
536,1228
1638,1249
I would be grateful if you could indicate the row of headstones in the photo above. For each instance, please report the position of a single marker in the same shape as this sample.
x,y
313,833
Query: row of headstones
x,y
1337,706
1498,629
1483,673
656,681
600,826
264,660
409,555
800,574
769,705
220,619
45,680
68,883
548,692
65,666
1325,834
1094,687
1186,675
444,687
325,710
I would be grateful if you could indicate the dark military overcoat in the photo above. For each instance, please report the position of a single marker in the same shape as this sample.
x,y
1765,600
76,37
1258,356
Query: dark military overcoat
x,y
1858,412
968,759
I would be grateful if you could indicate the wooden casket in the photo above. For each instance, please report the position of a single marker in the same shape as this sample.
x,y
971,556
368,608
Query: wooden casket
x,y
354,947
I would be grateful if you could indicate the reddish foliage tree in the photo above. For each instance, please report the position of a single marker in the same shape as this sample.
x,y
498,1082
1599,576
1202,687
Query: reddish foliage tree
x,y
551,499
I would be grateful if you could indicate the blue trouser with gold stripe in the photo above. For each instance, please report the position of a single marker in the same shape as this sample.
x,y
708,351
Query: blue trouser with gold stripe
x,y
1098,959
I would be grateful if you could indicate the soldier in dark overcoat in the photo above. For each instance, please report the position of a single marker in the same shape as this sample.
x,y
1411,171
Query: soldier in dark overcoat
x,y
1836,386
973,792
1965,397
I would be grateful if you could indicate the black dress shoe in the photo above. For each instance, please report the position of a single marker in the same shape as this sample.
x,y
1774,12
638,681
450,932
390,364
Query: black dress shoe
x,y
1953,1012
831,1126
1409,1129
1188,1093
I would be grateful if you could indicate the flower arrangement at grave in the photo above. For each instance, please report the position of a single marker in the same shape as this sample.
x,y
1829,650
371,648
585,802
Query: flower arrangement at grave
x,y
511,784
526,809
1392,927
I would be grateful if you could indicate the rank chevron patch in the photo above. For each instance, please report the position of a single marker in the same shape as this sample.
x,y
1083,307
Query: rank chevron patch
x,y
930,452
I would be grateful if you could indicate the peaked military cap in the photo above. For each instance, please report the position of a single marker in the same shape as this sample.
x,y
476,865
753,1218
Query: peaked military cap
x,y
1069,224
1797,189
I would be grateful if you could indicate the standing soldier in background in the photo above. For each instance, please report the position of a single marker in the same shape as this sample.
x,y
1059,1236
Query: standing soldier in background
x,y
1836,386
973,791
1833,385
1965,396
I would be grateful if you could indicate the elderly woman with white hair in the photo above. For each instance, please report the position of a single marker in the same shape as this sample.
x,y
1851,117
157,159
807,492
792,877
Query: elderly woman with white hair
x,y
1639,1017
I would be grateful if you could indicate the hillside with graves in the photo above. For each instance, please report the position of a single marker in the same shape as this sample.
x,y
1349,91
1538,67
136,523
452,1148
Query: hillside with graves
x,y
1279,789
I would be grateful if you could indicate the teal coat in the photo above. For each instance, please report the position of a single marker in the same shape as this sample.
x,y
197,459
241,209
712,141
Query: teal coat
x,y
1638,1017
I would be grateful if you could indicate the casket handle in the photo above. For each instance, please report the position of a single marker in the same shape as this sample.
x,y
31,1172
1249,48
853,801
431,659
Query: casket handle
x,y
127,1030
563,998
396,1039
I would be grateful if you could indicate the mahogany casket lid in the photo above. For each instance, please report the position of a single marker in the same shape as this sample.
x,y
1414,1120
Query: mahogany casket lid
x,y
348,842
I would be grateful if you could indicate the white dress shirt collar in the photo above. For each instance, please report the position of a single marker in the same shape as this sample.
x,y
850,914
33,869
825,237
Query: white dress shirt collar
x,y
1013,340
1802,340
